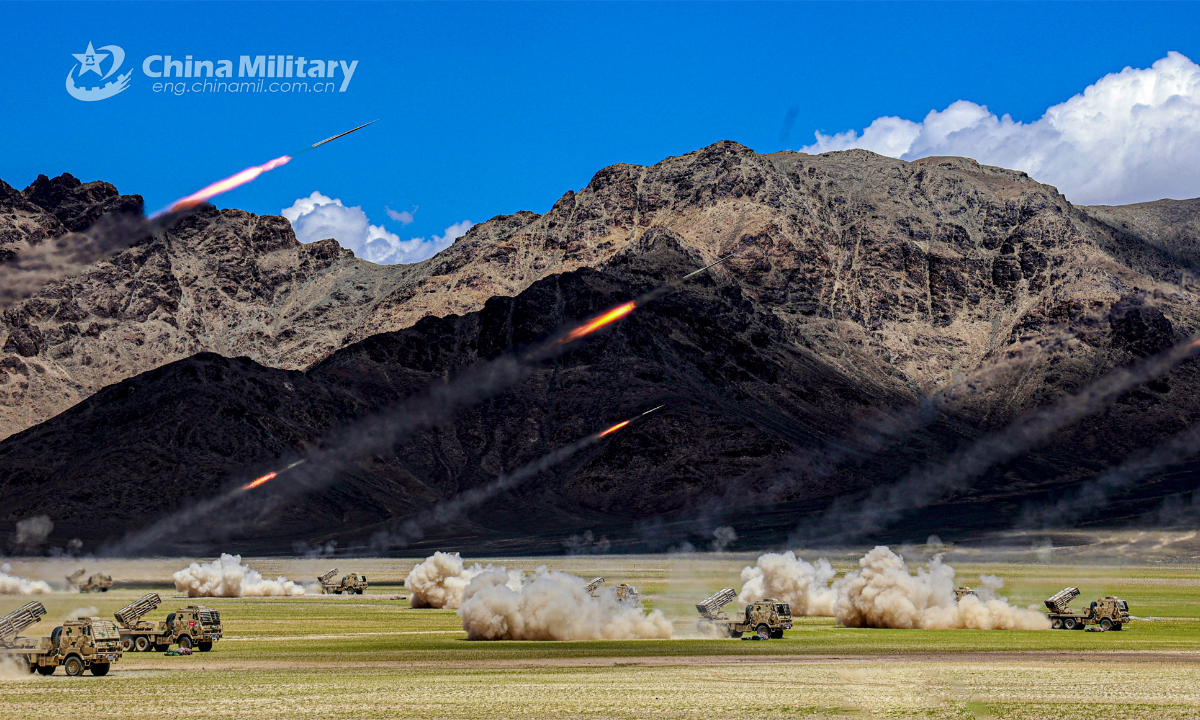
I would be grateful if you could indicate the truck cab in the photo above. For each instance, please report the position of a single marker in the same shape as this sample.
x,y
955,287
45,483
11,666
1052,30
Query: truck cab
x,y
769,614
78,645
195,626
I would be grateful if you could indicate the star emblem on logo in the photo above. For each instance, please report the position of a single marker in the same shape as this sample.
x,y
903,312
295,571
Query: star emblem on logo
x,y
89,61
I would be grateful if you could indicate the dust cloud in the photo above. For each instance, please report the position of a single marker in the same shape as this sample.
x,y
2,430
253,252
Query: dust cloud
x,y
439,581
884,594
31,533
13,585
785,577
552,606
228,577
12,668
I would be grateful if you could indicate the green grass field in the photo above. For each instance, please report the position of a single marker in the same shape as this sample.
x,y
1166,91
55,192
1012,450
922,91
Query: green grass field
x,y
372,656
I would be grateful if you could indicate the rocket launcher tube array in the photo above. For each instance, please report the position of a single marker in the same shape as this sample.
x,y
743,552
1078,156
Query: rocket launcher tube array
x,y
13,623
129,615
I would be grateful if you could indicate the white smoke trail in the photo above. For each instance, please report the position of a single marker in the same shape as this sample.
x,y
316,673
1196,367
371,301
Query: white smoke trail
x,y
884,594
440,580
228,577
553,606
448,510
13,585
927,485
324,461
785,577
32,268
1097,493
90,611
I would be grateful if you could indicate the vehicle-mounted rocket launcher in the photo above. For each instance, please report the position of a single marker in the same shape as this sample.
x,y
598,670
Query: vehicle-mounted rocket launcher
x,y
13,623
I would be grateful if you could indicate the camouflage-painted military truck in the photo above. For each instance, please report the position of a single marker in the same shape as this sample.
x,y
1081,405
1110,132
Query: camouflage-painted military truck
x,y
99,582
767,617
77,645
193,626
1110,613
352,584
961,592
625,593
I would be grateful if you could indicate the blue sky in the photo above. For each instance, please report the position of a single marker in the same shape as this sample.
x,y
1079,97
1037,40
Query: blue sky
x,y
492,108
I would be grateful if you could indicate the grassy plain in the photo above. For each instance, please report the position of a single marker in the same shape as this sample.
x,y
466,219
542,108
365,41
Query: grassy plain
x,y
373,656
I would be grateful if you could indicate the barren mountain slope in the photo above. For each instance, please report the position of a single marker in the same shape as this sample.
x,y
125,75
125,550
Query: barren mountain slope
x,y
928,265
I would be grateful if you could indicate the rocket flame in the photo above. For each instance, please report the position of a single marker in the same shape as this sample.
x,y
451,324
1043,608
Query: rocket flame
x,y
271,475
613,315
223,186
613,429
265,478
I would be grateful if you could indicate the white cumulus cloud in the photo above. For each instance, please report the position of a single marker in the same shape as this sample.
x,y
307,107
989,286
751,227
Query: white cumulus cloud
x,y
318,217
1130,137
404,217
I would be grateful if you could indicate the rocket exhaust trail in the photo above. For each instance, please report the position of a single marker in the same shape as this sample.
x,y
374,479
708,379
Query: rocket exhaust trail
x,y
335,137
620,311
270,476
249,174
384,430
448,510
929,484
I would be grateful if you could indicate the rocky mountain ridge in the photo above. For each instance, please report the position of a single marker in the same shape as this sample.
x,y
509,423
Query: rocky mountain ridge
x,y
859,284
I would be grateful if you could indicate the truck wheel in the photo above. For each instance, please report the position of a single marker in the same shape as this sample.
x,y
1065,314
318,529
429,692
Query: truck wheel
x,y
73,666
100,669
1069,623
126,644
46,669
1106,624
185,641
142,643
764,630
1056,624
204,646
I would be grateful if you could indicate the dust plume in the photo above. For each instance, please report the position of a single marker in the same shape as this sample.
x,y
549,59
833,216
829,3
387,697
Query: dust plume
x,y
926,485
13,585
552,606
785,577
31,269
31,533
440,580
883,593
723,537
1097,493
228,577
587,544
13,668
89,611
